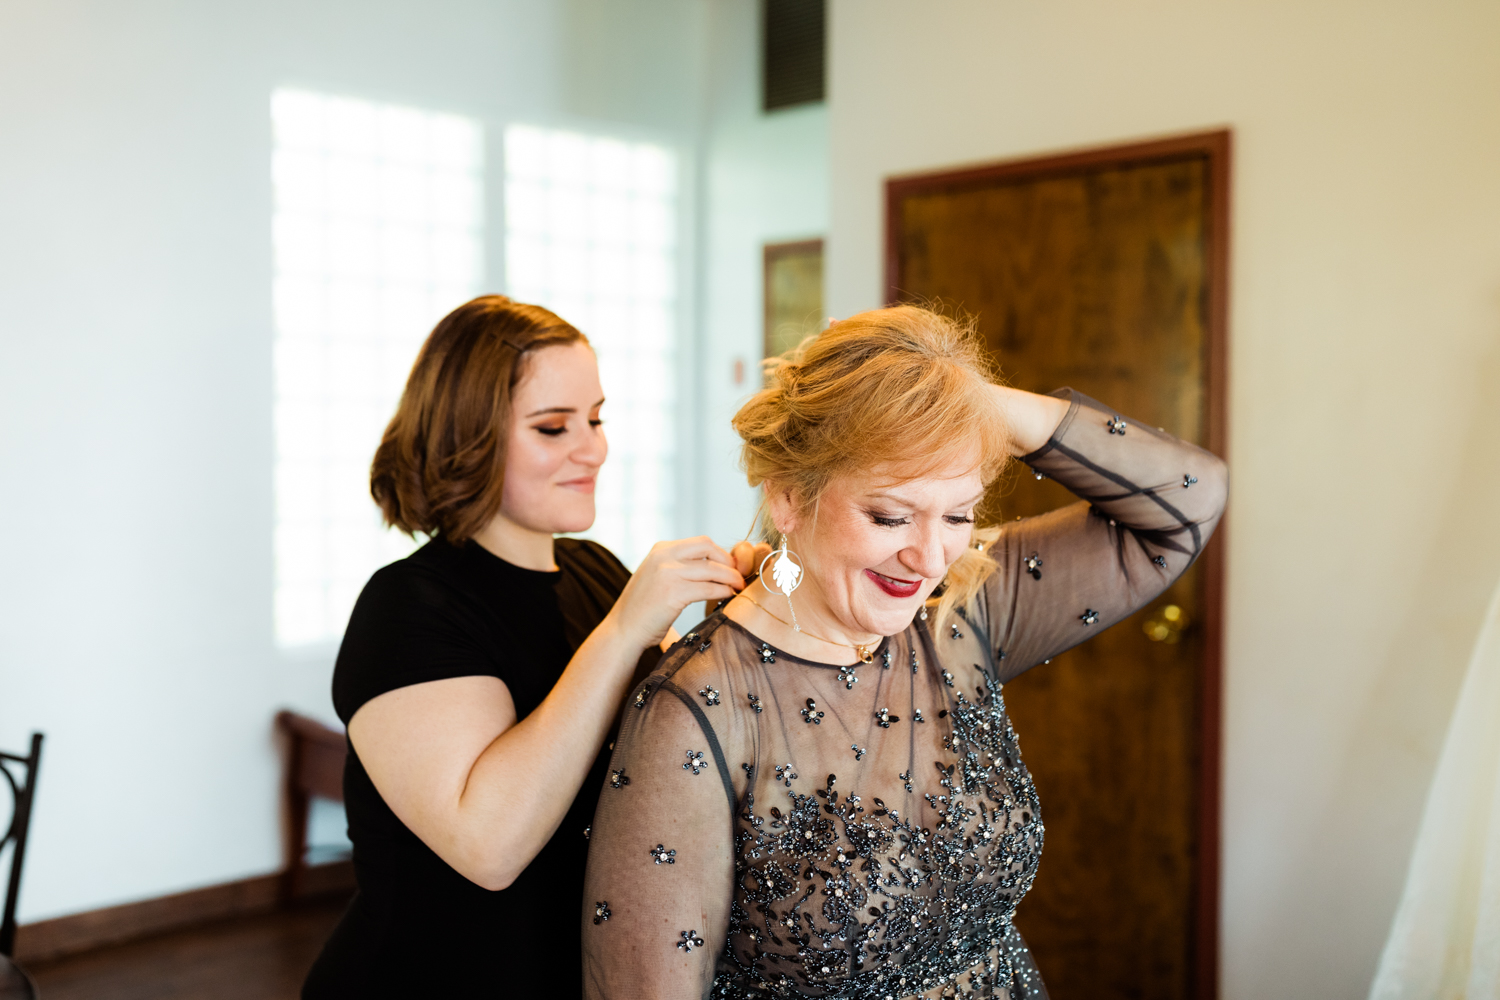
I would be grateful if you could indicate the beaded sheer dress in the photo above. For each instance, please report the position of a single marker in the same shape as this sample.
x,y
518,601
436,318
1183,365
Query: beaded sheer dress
x,y
777,827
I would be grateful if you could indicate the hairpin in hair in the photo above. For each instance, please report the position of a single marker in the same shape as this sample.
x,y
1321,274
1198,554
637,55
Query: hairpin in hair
x,y
513,345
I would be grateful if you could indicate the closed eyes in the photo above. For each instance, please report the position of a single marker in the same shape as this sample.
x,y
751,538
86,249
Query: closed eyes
x,y
896,522
555,431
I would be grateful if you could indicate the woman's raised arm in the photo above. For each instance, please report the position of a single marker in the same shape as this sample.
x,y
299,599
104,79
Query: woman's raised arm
x,y
1150,503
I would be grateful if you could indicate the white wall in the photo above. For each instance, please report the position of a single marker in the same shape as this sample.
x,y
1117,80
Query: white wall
x,y
1365,356
766,181
135,384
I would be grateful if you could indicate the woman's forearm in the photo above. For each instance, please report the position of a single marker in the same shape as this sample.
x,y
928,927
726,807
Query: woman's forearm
x,y
1032,418
486,792
524,782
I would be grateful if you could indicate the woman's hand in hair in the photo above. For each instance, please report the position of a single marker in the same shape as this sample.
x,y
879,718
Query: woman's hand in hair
x,y
1032,418
672,576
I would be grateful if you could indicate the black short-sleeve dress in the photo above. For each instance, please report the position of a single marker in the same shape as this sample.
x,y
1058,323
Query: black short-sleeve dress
x,y
417,927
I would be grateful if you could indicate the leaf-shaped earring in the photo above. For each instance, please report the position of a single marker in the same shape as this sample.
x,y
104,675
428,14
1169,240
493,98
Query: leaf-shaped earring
x,y
786,573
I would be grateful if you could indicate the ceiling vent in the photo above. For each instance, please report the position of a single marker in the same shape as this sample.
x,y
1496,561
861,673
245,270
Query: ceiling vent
x,y
793,41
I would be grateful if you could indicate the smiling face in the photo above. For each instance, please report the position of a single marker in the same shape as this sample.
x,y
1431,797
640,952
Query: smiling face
x,y
879,545
556,441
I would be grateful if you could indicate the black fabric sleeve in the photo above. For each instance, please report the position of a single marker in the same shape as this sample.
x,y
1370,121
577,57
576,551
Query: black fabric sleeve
x,y
1150,502
408,627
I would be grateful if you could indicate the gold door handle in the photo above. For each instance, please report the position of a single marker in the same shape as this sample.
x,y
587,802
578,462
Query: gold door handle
x,y
1165,624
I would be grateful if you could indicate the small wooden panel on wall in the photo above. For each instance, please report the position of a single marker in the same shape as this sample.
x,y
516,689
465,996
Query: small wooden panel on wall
x,y
793,294
1106,270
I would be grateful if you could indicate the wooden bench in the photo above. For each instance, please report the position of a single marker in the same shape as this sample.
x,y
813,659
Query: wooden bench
x,y
314,767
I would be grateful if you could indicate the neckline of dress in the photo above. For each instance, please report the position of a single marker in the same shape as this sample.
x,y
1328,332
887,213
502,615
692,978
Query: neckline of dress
x,y
488,562
885,641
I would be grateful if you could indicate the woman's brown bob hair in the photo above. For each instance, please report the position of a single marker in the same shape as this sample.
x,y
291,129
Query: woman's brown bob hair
x,y
440,467
900,391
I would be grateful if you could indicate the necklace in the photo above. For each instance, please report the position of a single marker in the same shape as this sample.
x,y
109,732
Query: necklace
x,y
863,652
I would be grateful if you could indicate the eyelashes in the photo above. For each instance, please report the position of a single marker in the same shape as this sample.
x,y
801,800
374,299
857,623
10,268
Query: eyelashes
x,y
896,522
555,431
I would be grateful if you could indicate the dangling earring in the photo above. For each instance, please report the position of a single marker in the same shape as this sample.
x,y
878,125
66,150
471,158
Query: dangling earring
x,y
786,573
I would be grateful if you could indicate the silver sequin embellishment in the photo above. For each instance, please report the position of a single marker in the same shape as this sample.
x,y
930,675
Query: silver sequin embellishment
x,y
663,855
601,911
710,695
695,761
1115,425
1034,566
1089,617
811,715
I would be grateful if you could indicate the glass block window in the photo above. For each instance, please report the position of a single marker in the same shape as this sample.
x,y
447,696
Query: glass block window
x,y
377,233
591,233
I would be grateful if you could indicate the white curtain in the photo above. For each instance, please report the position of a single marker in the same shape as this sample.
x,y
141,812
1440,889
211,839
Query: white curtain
x,y
1445,940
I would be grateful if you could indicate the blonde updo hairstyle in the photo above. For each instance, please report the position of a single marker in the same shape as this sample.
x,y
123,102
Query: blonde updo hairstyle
x,y
902,390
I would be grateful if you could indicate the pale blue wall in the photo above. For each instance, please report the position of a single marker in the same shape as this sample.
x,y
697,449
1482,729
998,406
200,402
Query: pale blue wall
x,y
765,181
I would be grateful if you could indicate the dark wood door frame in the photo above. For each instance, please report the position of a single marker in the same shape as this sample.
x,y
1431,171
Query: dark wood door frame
x,y
1216,149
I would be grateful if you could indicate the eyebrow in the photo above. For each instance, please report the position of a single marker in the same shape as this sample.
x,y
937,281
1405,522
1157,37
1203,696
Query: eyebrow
x,y
557,409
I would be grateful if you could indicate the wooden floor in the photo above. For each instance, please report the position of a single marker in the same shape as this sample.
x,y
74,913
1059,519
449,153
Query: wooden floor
x,y
249,958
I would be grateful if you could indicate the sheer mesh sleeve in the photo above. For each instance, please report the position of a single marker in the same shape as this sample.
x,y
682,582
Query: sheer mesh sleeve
x,y
1150,503
661,857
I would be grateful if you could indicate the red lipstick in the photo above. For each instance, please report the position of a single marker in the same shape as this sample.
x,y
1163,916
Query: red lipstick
x,y
894,587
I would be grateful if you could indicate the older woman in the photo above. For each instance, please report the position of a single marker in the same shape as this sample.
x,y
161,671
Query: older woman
x,y
818,792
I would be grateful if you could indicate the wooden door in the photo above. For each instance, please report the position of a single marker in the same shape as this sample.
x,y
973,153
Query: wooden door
x,y
1106,271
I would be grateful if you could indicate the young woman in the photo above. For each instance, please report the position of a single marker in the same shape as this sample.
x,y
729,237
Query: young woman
x,y
480,676
818,793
